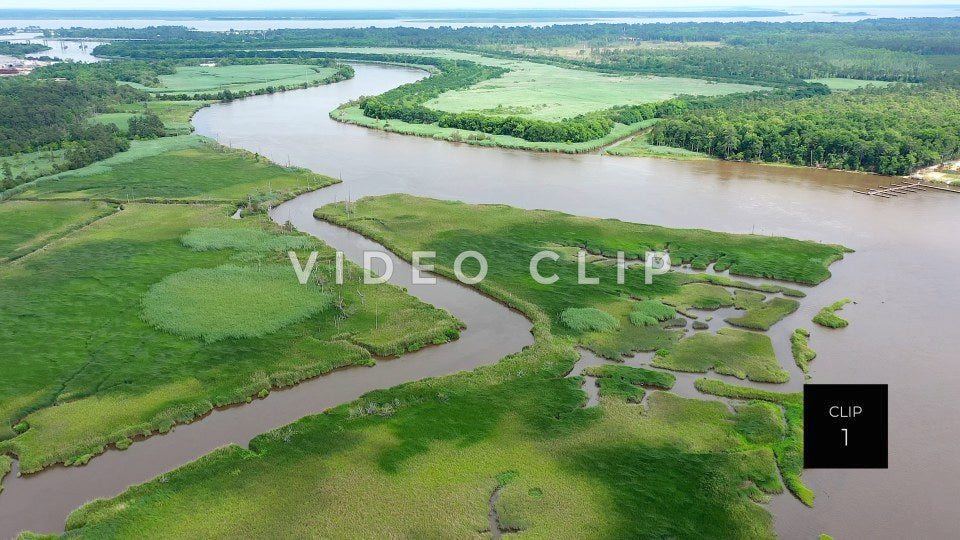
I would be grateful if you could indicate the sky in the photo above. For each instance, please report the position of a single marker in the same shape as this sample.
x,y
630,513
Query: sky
x,y
440,4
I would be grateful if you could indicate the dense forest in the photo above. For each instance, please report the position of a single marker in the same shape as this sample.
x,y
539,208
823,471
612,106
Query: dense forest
x,y
35,113
889,131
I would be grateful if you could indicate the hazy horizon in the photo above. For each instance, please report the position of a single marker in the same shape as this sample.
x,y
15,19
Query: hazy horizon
x,y
360,5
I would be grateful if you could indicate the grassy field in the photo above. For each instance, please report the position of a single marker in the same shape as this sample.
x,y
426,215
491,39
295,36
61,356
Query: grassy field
x,y
850,84
187,168
547,92
119,119
120,353
25,226
201,80
34,164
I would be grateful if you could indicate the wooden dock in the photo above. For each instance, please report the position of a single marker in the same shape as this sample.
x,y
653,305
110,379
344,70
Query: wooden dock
x,y
902,188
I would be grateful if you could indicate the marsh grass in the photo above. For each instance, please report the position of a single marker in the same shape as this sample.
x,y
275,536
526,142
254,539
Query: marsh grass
x,y
26,226
760,315
429,460
651,312
789,450
828,317
508,237
745,355
231,302
187,168
761,422
626,382
803,354
699,296
107,375
424,457
588,320
256,240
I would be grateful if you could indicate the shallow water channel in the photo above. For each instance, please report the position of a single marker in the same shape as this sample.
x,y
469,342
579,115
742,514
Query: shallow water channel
x,y
902,277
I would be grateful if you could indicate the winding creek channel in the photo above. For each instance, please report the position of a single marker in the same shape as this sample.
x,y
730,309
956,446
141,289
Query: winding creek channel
x,y
902,276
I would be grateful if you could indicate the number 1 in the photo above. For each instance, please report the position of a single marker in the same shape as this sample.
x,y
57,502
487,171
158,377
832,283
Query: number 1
x,y
844,430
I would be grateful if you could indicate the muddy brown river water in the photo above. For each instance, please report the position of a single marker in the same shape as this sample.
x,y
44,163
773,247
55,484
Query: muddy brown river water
x,y
902,276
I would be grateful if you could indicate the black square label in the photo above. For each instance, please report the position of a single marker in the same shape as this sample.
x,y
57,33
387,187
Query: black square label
x,y
845,426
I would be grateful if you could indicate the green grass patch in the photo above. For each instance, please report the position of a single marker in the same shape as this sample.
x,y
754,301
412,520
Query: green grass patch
x,y
26,226
588,320
206,303
803,354
651,312
760,315
187,168
761,422
828,317
236,78
119,119
744,355
699,296
625,382
789,450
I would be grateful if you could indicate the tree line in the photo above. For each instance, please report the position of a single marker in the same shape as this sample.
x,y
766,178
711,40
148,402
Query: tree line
x,y
891,130
913,50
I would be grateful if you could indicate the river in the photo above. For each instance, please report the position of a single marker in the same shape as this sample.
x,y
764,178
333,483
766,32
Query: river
x,y
901,330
